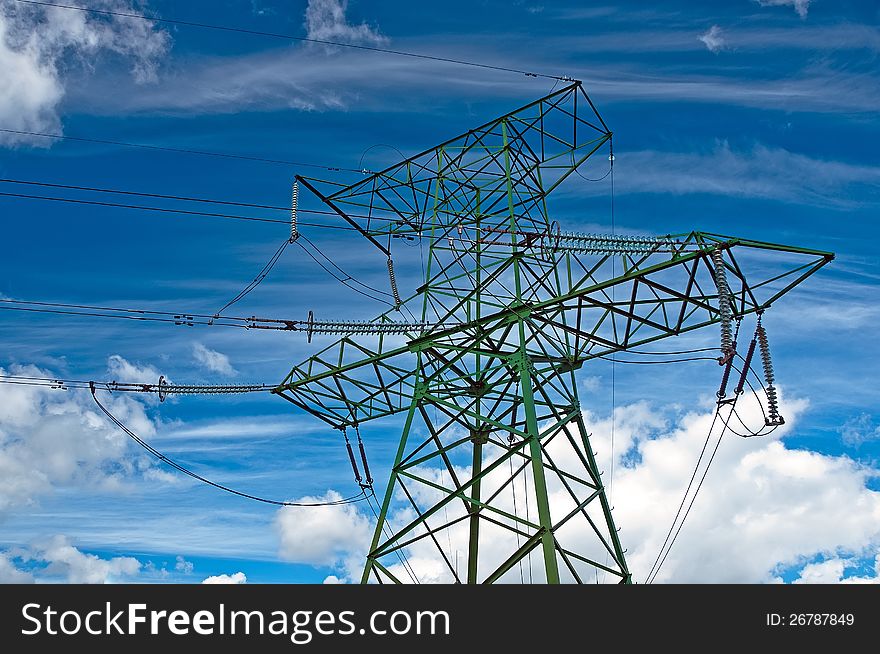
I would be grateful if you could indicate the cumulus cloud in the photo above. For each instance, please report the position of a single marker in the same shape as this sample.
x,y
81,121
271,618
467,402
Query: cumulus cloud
x,y
57,560
766,509
714,39
10,574
40,46
332,536
51,438
800,6
326,20
832,571
212,361
75,567
235,578
764,506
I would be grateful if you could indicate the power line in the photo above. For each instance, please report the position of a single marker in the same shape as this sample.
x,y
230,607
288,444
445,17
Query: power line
x,y
161,196
347,277
118,205
185,212
696,492
164,459
178,318
653,363
180,198
291,37
684,497
264,272
163,148
163,387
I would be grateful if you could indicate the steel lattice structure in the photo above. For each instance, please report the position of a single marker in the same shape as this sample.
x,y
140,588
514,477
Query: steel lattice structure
x,y
509,310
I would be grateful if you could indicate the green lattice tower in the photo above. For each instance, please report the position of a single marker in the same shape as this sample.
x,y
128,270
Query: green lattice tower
x,y
511,308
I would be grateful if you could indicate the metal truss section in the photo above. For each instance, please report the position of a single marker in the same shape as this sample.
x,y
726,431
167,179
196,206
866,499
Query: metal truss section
x,y
494,475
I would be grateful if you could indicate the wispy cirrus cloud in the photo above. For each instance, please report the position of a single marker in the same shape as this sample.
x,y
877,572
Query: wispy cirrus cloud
x,y
742,38
801,7
713,39
296,78
759,172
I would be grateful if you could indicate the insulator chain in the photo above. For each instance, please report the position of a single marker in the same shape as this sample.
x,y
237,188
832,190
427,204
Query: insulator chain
x,y
354,327
393,279
725,307
354,466
604,244
367,482
312,326
174,389
747,364
773,417
294,200
163,388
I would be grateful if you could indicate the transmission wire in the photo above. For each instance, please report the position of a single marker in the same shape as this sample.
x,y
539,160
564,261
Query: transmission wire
x,y
156,453
696,492
259,278
397,550
205,153
290,37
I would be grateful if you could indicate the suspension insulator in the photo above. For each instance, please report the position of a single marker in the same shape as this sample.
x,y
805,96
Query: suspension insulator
x,y
393,281
746,366
294,199
773,417
725,309
354,467
369,477
722,390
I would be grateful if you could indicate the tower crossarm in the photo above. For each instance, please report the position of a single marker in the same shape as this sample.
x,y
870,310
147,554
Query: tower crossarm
x,y
656,294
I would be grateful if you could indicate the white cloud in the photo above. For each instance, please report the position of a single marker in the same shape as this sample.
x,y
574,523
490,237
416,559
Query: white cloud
x,y
800,6
122,370
859,430
75,567
183,566
57,560
38,45
764,508
332,579
326,20
832,571
212,360
295,77
235,578
714,39
51,439
9,574
333,536
759,172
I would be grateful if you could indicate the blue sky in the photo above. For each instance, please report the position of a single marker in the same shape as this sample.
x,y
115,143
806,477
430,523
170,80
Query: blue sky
x,y
738,117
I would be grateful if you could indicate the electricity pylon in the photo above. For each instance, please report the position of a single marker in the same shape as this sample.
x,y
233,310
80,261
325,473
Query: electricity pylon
x,y
510,308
